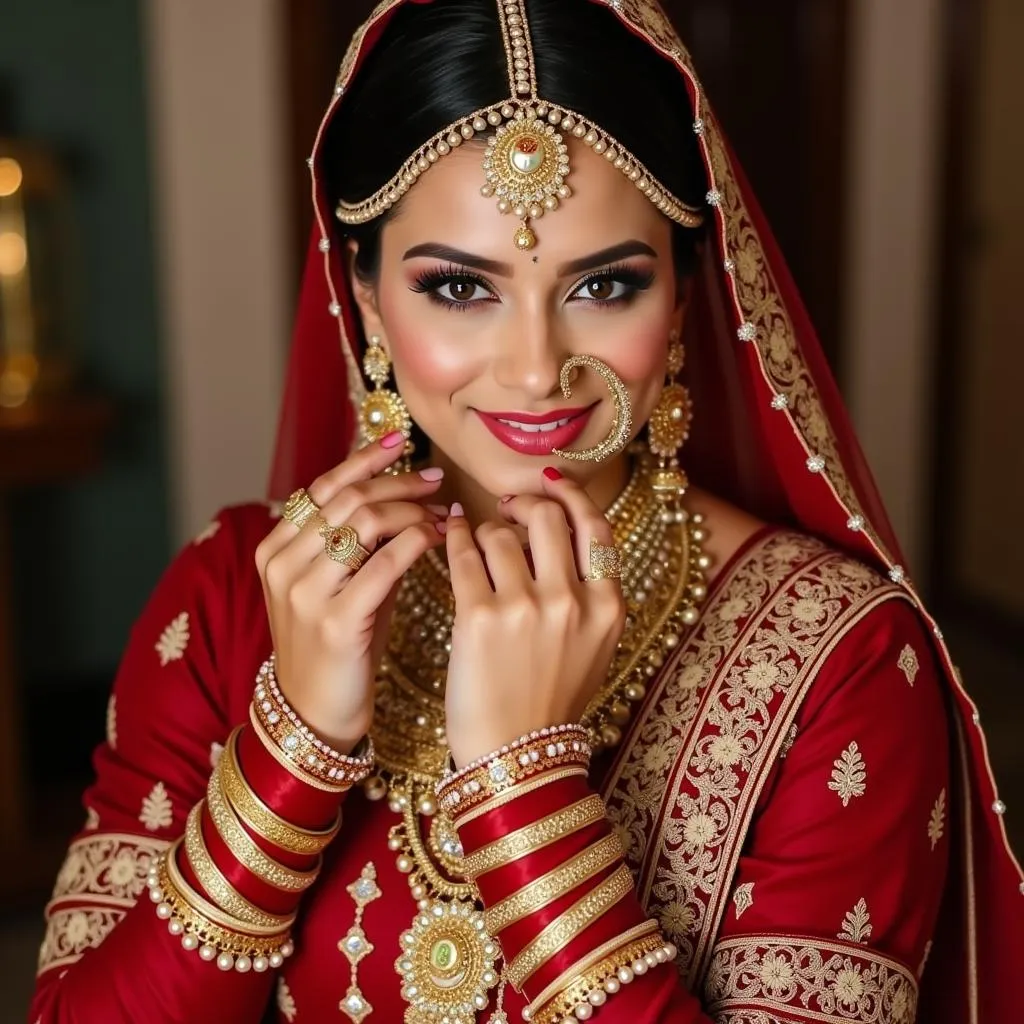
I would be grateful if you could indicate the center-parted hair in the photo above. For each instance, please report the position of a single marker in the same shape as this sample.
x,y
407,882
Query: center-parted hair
x,y
438,61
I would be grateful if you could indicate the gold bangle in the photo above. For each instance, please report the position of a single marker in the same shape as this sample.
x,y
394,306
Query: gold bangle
x,y
554,936
520,790
595,956
205,932
535,836
202,906
286,762
585,980
217,887
259,817
556,883
244,848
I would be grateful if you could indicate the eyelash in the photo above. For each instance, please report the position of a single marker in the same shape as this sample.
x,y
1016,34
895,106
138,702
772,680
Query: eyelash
x,y
429,281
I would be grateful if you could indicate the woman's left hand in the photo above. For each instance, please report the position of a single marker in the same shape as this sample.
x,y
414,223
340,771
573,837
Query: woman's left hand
x,y
529,650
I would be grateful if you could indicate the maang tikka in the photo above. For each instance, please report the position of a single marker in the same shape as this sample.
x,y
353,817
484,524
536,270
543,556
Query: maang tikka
x,y
382,411
526,165
669,427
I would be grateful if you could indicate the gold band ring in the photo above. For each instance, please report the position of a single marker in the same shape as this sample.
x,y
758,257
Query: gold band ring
x,y
342,545
300,508
605,562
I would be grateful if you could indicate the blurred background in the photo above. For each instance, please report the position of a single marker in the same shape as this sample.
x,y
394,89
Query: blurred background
x,y
152,154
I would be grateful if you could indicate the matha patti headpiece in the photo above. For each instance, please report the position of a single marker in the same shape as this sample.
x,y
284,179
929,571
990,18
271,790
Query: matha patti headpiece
x,y
527,160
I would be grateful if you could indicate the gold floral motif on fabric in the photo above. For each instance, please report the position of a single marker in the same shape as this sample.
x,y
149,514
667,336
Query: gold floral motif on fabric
x,y
685,785
100,880
830,982
69,933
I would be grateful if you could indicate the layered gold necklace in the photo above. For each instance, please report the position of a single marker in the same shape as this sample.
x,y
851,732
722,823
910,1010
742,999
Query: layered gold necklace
x,y
447,959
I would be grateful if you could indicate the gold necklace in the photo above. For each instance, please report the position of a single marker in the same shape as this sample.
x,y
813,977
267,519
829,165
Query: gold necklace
x,y
447,959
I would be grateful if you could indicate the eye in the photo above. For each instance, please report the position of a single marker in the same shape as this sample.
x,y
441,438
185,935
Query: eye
x,y
603,289
613,286
461,289
453,288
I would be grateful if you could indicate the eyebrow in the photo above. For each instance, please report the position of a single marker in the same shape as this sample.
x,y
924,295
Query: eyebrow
x,y
619,251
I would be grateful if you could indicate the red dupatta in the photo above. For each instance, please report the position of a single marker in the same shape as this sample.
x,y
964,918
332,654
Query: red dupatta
x,y
772,435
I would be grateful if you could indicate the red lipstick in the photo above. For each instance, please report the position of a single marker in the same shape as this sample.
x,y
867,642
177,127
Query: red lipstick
x,y
537,433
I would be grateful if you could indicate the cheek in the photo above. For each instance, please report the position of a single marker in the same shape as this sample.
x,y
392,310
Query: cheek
x,y
429,358
641,364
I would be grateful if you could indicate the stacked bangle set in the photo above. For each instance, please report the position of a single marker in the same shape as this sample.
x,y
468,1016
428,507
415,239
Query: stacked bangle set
x,y
220,923
592,870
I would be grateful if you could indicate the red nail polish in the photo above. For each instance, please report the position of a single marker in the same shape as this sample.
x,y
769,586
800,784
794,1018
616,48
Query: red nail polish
x,y
552,474
392,440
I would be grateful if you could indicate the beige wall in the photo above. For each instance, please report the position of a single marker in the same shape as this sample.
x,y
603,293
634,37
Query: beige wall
x,y
216,94
988,459
895,157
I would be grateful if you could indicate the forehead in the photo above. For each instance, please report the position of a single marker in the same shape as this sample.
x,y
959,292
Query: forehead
x,y
446,205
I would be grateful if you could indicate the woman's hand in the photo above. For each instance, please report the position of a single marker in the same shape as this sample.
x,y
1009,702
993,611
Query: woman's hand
x,y
529,650
329,624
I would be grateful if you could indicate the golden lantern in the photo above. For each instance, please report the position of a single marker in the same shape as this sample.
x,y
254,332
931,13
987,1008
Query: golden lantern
x,y
34,357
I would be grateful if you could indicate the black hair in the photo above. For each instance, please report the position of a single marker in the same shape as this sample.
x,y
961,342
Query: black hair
x,y
437,62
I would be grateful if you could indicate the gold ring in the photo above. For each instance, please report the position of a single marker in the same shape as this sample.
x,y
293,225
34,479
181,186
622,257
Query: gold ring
x,y
300,508
605,562
342,545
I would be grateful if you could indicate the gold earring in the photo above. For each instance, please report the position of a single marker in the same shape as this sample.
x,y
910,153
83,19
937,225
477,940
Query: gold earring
x,y
382,411
669,427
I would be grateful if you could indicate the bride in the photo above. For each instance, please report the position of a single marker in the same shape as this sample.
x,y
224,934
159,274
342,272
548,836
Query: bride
x,y
578,676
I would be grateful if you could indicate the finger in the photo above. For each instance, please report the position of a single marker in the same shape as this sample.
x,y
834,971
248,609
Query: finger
x,y
585,519
362,465
504,558
380,521
414,487
370,588
551,543
465,563
403,487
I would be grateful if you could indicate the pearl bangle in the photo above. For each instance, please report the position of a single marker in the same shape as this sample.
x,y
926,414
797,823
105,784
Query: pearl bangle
x,y
204,929
539,751
591,983
320,764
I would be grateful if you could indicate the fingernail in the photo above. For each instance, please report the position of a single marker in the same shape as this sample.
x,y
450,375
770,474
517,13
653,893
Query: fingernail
x,y
442,528
457,510
433,474
392,440
552,474
505,500
438,510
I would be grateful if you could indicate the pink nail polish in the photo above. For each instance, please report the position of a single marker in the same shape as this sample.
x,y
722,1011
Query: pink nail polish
x,y
442,528
507,498
433,474
457,511
392,440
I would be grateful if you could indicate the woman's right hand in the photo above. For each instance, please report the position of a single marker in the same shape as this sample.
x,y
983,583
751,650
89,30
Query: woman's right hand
x,y
330,624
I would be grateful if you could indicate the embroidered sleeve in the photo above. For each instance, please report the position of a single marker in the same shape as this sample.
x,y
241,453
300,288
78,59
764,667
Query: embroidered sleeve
x,y
171,708
837,892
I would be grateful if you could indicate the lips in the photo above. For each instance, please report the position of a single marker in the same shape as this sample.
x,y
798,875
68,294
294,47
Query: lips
x,y
533,434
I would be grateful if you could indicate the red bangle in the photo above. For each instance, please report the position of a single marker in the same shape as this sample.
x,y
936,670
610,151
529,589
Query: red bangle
x,y
282,792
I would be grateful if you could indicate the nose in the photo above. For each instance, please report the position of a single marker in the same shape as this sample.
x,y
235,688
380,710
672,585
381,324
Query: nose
x,y
530,357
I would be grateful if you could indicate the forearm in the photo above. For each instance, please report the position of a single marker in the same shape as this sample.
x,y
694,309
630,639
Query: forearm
x,y
575,939
251,848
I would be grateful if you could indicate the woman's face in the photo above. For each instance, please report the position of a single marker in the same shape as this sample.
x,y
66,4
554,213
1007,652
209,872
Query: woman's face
x,y
477,331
